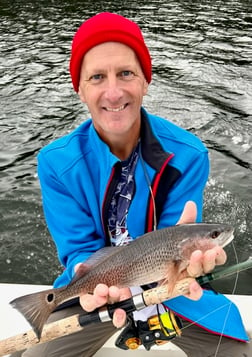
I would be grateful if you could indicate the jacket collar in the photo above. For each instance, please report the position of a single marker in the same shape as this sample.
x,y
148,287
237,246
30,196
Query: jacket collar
x,y
152,150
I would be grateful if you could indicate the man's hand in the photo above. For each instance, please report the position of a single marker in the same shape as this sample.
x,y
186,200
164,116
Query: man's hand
x,y
103,295
200,263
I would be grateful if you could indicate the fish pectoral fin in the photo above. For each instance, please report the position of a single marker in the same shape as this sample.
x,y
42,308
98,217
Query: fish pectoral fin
x,y
173,274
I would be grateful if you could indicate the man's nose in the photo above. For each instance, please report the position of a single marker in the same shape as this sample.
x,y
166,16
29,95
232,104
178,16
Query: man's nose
x,y
113,89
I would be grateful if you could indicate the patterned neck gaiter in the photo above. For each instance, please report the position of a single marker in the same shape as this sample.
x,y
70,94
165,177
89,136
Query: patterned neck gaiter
x,y
121,200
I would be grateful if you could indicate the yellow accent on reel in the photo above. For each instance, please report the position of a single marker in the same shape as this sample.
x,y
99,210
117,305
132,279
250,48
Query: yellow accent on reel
x,y
165,322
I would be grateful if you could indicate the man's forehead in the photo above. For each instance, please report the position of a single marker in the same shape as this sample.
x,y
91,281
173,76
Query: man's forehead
x,y
110,54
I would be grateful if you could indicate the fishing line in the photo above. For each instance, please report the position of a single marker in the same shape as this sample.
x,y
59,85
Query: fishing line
x,y
230,304
147,178
206,315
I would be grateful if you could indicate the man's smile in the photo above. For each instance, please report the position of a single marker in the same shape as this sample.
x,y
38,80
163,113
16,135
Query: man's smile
x,y
118,109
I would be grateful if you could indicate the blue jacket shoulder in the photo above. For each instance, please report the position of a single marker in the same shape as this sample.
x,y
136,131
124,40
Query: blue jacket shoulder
x,y
170,132
67,149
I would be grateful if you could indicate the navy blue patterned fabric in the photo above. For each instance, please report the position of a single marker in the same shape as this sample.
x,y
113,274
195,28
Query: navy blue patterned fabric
x,y
119,206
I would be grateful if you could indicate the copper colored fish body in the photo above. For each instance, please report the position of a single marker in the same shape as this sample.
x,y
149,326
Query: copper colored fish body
x,y
153,257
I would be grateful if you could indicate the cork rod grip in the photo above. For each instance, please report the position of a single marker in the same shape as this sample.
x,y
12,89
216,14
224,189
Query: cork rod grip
x,y
162,293
50,332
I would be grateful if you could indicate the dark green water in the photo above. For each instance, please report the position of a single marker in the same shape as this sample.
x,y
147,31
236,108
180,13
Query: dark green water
x,y
202,80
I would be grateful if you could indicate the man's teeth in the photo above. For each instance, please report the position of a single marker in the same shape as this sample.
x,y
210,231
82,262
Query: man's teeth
x,y
115,109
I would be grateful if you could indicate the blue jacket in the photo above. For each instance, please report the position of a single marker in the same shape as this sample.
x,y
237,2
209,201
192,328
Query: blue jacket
x,y
78,174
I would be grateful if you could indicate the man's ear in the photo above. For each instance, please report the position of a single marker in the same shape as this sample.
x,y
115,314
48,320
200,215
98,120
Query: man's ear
x,y
146,86
81,95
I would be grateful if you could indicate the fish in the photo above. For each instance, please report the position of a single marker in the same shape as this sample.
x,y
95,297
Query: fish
x,y
157,256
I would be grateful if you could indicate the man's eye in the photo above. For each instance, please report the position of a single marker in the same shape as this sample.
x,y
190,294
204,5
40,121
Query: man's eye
x,y
127,74
96,78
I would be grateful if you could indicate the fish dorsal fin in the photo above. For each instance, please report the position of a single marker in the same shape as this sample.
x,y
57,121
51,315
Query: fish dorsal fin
x,y
94,259
102,254
82,270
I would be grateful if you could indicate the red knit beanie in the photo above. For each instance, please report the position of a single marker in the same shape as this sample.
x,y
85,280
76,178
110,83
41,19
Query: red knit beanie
x,y
106,27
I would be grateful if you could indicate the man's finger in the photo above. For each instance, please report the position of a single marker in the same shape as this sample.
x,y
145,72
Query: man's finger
x,y
88,302
213,257
119,318
221,256
189,213
195,291
114,294
195,267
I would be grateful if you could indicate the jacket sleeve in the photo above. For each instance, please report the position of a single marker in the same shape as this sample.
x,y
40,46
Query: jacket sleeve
x,y
189,187
69,220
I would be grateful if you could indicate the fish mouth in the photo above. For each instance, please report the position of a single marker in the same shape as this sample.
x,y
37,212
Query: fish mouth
x,y
225,238
117,109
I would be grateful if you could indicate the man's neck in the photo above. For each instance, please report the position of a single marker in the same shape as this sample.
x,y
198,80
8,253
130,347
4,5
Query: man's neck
x,y
123,149
123,145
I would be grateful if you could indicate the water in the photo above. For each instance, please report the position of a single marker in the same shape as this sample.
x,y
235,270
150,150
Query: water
x,y
202,80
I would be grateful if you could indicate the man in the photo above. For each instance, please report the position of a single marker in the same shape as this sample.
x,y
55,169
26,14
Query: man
x,y
120,174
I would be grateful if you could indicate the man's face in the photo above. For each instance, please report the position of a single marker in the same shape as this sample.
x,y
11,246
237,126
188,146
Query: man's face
x,y
112,85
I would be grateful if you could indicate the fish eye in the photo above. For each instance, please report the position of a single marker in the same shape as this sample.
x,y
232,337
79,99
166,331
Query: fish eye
x,y
215,234
50,297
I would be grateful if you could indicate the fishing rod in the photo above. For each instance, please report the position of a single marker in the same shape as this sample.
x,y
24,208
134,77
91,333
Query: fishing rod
x,y
224,272
79,322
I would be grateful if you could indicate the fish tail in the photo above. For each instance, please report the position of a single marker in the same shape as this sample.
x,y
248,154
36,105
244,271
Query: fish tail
x,y
36,308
